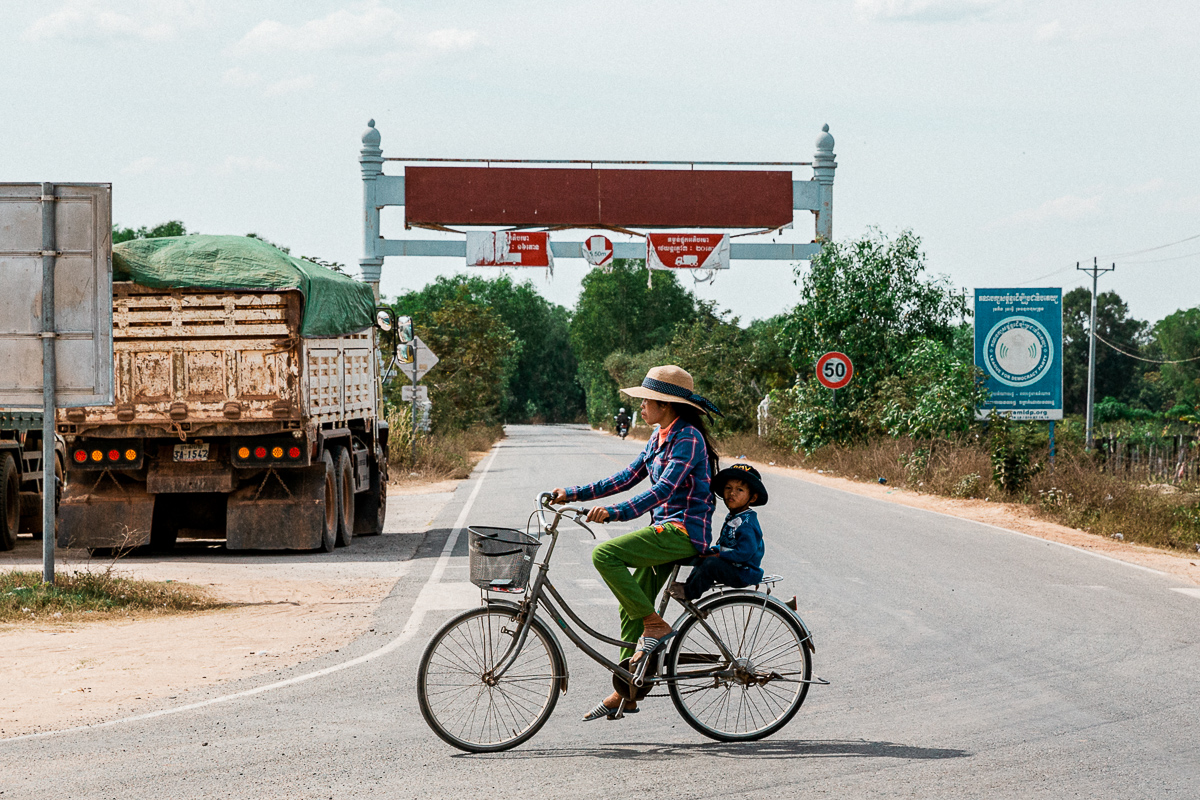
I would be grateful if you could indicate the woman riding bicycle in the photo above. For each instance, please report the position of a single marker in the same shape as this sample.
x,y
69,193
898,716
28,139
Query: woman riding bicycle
x,y
680,461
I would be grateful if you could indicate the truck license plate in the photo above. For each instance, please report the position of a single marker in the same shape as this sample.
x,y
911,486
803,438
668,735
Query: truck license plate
x,y
191,452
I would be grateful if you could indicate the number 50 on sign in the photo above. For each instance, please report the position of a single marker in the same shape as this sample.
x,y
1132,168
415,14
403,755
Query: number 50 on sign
x,y
834,370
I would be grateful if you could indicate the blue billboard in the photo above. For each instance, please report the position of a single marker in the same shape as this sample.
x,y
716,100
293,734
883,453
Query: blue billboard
x,y
1018,345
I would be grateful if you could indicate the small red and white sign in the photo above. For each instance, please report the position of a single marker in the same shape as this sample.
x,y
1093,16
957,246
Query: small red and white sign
x,y
687,250
834,370
598,251
509,249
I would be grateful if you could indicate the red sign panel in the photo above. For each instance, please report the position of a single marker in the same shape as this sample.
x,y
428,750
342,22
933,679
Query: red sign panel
x,y
688,250
598,251
834,370
508,249
585,198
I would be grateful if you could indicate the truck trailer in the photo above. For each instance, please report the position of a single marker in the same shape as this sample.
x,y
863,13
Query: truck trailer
x,y
248,405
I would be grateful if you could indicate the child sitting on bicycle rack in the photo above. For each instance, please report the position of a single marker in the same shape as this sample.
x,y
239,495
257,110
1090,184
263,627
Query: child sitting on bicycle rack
x,y
740,545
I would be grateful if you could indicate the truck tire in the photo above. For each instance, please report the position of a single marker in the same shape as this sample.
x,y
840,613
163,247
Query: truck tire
x,y
345,482
330,509
370,508
10,502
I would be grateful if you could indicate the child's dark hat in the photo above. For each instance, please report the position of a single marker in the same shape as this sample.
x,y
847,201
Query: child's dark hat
x,y
747,475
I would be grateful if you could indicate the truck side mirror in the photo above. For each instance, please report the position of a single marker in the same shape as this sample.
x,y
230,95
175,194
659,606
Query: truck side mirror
x,y
385,319
404,329
406,353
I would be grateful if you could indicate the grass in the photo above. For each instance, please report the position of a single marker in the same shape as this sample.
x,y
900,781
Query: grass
x,y
92,595
450,455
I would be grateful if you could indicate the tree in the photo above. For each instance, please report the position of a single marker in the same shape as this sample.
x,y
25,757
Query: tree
x,y
1176,337
869,299
617,311
545,383
170,228
478,358
1116,374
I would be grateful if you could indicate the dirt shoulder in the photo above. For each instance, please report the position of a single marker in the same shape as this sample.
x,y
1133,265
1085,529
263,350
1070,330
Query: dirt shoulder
x,y
1011,516
282,611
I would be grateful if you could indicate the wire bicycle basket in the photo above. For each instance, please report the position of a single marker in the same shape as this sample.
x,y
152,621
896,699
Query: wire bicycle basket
x,y
501,559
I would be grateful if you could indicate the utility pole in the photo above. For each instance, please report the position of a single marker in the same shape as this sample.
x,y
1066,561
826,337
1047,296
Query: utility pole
x,y
1096,271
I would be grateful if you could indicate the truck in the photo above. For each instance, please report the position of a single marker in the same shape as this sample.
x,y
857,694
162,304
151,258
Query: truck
x,y
248,405
21,474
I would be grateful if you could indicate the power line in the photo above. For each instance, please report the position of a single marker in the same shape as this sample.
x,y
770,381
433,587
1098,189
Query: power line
x,y
1161,260
1151,249
1147,360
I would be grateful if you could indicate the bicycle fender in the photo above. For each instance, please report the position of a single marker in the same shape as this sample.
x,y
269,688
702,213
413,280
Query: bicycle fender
x,y
562,657
771,601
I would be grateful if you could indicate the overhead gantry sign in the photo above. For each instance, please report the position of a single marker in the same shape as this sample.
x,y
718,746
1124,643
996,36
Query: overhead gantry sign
x,y
528,203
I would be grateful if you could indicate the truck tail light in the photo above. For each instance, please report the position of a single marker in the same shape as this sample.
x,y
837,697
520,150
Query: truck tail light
x,y
269,452
104,454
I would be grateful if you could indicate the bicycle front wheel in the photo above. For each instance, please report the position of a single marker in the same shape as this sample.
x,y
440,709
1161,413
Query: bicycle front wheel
x,y
460,699
760,689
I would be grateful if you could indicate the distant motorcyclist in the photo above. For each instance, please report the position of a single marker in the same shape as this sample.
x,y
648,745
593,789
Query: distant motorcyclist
x,y
622,420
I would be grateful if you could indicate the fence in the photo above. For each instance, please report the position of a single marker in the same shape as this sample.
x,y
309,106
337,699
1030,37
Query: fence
x,y
1171,459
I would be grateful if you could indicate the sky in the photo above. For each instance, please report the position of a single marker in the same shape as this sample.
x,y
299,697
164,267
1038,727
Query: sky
x,y
1016,138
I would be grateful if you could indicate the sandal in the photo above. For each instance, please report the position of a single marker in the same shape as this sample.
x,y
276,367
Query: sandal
x,y
602,710
649,645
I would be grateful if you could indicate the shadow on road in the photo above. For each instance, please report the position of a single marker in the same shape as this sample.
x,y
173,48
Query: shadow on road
x,y
768,749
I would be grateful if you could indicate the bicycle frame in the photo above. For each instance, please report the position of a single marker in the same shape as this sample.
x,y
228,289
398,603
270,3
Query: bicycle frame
x,y
537,596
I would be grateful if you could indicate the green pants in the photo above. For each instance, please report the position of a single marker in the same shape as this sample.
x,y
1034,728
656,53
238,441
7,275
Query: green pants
x,y
649,551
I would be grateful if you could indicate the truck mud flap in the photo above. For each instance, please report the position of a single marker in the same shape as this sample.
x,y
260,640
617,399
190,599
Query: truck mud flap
x,y
285,511
119,517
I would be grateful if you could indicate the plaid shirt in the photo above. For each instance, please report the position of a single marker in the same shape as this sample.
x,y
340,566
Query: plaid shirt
x,y
680,488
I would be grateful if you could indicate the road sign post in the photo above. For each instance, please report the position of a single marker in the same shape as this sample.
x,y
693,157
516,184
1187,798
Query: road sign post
x,y
55,235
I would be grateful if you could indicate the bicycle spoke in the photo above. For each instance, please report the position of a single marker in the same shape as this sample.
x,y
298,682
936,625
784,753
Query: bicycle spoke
x,y
749,698
461,700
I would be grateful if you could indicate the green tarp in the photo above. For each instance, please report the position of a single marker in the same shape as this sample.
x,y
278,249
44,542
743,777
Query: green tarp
x,y
334,304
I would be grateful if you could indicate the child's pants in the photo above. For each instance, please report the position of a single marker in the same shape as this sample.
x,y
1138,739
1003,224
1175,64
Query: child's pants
x,y
708,572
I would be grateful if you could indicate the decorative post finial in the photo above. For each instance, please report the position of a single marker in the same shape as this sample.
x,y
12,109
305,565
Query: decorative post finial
x,y
370,159
824,165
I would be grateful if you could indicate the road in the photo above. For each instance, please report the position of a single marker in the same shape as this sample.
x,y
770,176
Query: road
x,y
965,661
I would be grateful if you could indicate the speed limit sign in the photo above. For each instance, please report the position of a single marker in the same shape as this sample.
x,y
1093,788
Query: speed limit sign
x,y
834,370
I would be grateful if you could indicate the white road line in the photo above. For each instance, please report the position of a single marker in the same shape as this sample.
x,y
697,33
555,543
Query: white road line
x,y
1190,592
416,616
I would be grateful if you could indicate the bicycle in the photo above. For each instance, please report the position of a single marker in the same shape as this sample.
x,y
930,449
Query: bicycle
x,y
738,668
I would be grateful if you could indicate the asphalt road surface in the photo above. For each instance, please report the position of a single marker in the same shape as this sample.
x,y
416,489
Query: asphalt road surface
x,y
965,662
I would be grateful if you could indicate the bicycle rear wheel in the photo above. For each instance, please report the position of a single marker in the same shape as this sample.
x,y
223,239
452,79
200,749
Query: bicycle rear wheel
x,y
758,692
464,705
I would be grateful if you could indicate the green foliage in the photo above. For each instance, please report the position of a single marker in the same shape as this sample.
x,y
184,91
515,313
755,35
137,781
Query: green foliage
x,y
478,355
1116,374
545,382
170,228
1176,338
617,311
934,393
869,299
1012,445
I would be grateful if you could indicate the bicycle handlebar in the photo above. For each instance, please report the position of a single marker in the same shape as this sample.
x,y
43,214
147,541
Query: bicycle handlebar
x,y
579,514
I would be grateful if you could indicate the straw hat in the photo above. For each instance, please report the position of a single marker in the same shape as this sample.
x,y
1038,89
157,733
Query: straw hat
x,y
671,384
